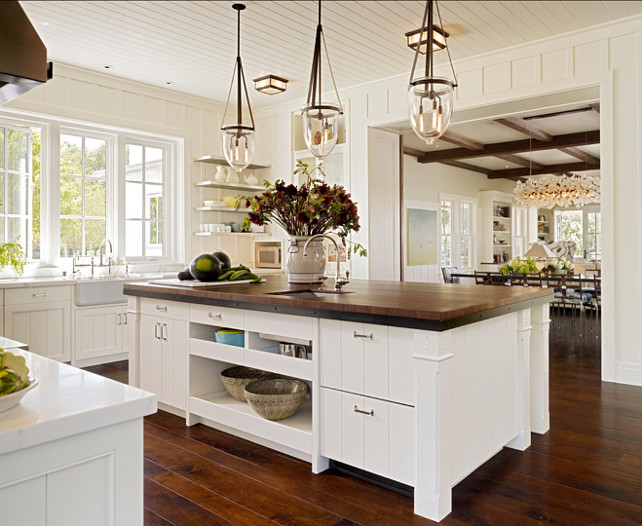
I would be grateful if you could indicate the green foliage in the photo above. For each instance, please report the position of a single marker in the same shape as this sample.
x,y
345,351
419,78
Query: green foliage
x,y
571,228
519,265
559,265
12,255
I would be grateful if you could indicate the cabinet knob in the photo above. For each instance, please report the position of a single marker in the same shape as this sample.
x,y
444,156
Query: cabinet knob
x,y
217,316
356,335
357,410
161,308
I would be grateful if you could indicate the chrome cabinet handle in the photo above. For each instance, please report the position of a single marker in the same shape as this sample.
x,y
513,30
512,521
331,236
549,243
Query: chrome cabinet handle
x,y
125,319
355,335
217,316
120,321
164,332
38,294
156,325
357,410
161,308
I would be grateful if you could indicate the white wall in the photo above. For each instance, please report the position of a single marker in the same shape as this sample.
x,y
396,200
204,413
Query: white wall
x,y
606,59
424,182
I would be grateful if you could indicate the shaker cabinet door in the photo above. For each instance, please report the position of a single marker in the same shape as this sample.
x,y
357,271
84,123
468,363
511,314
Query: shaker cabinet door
x,y
352,430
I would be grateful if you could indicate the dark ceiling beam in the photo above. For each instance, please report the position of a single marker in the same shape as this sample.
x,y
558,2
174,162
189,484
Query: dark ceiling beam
x,y
525,127
518,160
574,151
466,166
462,141
413,152
591,107
596,107
520,146
549,169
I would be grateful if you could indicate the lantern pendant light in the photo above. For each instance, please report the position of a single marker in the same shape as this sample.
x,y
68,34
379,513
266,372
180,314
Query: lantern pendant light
x,y
430,98
238,139
320,119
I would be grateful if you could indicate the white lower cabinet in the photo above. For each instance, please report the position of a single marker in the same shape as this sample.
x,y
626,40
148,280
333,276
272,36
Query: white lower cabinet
x,y
373,435
100,332
163,355
41,318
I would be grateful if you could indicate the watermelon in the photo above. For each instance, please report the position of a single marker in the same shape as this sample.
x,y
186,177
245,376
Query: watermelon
x,y
225,260
205,267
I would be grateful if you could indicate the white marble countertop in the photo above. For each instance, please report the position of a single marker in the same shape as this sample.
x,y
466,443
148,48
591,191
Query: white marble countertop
x,y
10,283
68,401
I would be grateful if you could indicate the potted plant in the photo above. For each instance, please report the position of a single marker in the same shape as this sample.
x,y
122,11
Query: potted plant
x,y
559,266
11,255
519,265
312,208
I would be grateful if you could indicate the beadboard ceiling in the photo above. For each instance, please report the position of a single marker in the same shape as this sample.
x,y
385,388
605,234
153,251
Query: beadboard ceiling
x,y
192,43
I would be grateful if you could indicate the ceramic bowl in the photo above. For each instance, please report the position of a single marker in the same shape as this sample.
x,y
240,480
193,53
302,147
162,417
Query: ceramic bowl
x,y
13,399
230,201
236,378
276,398
230,337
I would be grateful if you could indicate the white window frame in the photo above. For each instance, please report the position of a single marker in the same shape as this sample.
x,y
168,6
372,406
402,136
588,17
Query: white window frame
x,y
585,233
456,235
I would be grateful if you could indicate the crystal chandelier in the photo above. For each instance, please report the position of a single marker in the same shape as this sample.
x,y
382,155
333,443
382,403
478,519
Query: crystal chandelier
x,y
238,138
320,119
550,191
430,98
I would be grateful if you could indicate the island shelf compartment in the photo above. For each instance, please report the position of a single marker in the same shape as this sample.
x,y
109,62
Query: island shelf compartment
x,y
209,400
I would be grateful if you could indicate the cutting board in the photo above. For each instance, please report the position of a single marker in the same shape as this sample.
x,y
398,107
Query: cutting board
x,y
191,284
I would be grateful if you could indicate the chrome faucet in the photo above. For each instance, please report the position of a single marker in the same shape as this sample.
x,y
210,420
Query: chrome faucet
x,y
102,245
339,282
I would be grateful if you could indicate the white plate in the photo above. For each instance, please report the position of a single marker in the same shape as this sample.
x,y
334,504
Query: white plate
x,y
13,399
194,283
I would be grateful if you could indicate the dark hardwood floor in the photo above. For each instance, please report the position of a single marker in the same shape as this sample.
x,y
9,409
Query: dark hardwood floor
x,y
587,470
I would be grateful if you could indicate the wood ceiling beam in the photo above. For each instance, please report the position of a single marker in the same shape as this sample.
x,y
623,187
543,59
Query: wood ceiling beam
x,y
525,127
596,107
520,146
549,169
462,141
413,152
574,151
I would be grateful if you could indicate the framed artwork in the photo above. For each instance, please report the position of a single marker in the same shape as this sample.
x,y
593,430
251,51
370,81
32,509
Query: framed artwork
x,y
422,234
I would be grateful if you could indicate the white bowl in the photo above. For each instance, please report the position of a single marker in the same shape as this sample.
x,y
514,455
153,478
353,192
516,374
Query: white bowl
x,y
213,203
13,399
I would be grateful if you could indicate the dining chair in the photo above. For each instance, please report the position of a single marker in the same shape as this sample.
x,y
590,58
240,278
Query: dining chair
x,y
447,273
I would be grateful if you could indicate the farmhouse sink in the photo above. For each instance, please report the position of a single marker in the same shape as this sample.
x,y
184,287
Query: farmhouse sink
x,y
104,290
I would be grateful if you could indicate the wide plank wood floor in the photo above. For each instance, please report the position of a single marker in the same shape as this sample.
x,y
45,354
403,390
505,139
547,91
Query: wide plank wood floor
x,y
587,470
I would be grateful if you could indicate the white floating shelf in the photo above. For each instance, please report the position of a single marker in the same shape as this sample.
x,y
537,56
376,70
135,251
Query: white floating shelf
x,y
221,209
230,186
294,432
215,159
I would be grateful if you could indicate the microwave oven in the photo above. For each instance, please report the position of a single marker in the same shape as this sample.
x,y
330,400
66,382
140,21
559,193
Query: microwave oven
x,y
267,256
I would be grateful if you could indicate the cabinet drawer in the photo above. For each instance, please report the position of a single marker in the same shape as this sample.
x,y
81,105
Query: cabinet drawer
x,y
219,316
35,295
369,434
164,309
301,327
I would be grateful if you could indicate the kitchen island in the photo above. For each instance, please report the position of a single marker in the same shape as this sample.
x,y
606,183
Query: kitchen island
x,y
71,453
418,383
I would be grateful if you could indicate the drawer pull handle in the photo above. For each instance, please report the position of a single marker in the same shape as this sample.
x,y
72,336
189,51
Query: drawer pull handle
x,y
38,294
125,319
357,410
355,335
164,332
156,326
160,308
218,316
120,320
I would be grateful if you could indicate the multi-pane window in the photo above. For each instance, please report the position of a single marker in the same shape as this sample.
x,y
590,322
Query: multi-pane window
x,y
145,176
520,215
584,227
20,188
594,235
458,232
83,194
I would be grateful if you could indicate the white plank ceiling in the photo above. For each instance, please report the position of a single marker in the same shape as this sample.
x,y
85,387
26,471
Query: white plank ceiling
x,y
193,43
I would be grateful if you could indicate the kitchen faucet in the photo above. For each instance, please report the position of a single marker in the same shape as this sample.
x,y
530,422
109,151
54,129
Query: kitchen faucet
x,y
338,281
102,245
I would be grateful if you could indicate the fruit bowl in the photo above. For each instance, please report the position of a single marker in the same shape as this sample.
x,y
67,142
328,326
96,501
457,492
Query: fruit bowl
x,y
276,398
236,378
13,399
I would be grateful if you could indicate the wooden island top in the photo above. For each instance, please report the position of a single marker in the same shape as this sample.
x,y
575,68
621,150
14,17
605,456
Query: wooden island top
x,y
428,306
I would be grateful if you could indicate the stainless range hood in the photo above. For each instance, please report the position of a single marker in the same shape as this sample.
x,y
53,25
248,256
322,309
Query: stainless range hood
x,y
23,56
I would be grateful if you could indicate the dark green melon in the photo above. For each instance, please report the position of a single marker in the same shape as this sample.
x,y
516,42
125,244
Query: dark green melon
x,y
205,267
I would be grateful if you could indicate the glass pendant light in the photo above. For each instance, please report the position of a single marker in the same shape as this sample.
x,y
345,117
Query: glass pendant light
x,y
320,119
430,98
238,139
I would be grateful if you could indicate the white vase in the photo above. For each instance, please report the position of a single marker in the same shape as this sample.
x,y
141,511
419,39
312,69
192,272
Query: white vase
x,y
233,176
307,268
221,174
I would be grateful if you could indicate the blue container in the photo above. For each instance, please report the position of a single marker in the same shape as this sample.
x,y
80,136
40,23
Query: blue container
x,y
230,337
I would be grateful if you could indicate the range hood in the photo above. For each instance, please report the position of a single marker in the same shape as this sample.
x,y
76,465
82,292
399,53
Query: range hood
x,y
23,56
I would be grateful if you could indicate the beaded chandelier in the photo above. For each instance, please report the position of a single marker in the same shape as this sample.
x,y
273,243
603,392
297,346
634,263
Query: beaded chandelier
x,y
565,191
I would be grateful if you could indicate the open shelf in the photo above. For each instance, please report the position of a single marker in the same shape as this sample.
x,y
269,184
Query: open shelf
x,y
294,432
215,159
221,209
229,186
244,234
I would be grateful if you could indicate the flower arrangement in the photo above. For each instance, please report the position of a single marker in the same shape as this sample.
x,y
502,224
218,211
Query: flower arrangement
x,y
559,266
519,265
313,208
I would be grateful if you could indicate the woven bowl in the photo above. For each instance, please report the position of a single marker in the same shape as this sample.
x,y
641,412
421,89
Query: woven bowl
x,y
236,378
276,398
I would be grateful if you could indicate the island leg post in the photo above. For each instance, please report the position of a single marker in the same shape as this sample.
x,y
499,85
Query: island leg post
x,y
523,439
540,417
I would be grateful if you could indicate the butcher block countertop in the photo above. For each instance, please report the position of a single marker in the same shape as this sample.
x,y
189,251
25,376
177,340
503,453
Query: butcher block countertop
x,y
428,306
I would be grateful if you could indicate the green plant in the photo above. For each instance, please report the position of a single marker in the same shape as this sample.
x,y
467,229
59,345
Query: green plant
x,y
519,265
12,255
313,208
